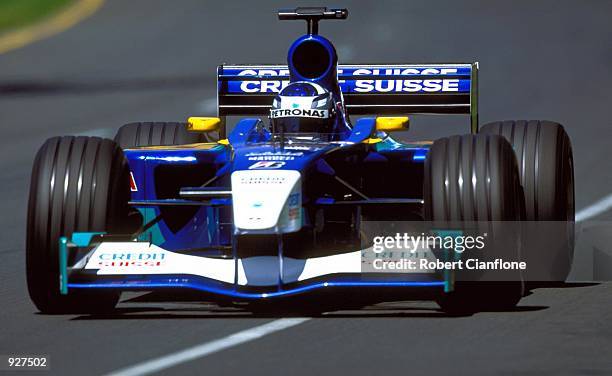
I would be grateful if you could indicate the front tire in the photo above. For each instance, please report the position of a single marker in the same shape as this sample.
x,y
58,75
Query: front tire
x,y
473,179
78,184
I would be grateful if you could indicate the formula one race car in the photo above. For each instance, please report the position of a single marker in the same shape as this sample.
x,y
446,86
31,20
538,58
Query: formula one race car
x,y
296,202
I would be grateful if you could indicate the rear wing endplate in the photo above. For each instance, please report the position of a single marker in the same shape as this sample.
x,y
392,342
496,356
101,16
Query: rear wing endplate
x,y
391,89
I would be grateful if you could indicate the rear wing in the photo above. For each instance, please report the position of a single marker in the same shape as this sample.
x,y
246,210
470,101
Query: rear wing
x,y
367,89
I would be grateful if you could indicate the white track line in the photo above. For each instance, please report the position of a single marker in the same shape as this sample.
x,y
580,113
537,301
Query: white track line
x,y
595,209
207,348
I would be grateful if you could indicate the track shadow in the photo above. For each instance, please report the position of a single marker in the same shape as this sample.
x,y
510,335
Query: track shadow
x,y
197,305
352,309
561,285
532,287
156,313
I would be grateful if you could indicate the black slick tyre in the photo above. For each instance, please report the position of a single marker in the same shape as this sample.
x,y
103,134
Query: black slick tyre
x,y
474,179
77,184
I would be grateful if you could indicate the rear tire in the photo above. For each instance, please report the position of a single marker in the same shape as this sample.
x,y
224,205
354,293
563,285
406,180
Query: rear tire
x,y
544,155
474,178
77,184
159,134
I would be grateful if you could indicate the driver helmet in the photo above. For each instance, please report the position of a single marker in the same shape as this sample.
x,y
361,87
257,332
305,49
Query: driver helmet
x,y
303,107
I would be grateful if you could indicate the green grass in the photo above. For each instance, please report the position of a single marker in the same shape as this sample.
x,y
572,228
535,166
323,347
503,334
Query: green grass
x,y
18,13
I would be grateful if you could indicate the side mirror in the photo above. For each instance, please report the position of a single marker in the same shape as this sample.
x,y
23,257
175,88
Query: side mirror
x,y
392,124
203,124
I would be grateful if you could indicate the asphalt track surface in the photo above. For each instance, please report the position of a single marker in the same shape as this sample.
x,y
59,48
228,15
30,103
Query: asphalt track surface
x,y
155,60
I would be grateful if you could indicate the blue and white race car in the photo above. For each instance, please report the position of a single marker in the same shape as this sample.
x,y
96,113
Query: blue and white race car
x,y
298,201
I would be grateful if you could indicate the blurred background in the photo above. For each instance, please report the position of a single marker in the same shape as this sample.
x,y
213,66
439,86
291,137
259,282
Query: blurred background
x,y
155,60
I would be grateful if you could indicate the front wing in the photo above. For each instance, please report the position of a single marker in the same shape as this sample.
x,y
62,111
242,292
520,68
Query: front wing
x,y
107,262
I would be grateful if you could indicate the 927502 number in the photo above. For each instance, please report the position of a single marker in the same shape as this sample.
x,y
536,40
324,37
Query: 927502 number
x,y
27,362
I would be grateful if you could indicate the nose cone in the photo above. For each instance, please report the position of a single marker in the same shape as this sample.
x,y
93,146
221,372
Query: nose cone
x,y
267,201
